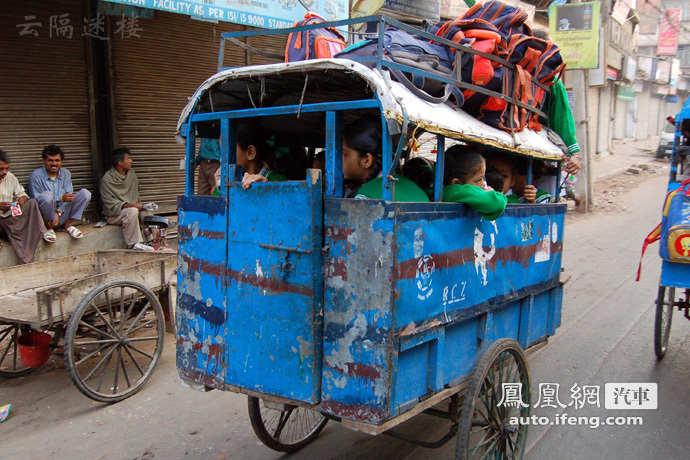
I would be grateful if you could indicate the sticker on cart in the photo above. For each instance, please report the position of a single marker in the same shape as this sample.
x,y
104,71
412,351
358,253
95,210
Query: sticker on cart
x,y
482,256
425,266
543,252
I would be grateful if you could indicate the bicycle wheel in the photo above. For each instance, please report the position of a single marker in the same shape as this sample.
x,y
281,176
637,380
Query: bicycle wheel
x,y
114,340
662,320
285,430
485,429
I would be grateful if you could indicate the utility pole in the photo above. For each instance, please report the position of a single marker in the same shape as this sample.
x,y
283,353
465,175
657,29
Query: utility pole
x,y
583,187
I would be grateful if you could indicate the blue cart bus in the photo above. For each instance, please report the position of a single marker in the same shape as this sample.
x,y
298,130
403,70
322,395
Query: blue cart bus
x,y
318,306
674,286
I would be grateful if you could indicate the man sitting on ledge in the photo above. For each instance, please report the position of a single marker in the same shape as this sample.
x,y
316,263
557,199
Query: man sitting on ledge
x,y
20,217
52,187
120,196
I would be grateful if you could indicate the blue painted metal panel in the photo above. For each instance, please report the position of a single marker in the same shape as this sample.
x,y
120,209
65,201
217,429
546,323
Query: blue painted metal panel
x,y
274,293
451,259
401,326
358,343
201,308
538,317
675,275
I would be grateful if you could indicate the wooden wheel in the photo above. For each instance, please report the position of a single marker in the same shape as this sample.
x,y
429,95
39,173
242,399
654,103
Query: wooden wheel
x,y
114,340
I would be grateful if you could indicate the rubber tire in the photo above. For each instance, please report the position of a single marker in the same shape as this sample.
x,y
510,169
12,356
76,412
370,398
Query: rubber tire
x,y
73,331
258,424
479,375
662,329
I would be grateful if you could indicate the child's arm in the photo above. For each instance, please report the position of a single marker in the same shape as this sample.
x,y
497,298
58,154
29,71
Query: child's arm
x,y
536,195
530,193
489,204
249,179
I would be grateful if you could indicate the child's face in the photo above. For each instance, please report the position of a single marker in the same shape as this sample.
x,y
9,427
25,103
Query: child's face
x,y
506,171
519,183
477,177
354,166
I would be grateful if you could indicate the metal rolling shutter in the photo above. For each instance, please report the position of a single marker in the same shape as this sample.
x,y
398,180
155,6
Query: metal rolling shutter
x,y
604,121
153,78
43,92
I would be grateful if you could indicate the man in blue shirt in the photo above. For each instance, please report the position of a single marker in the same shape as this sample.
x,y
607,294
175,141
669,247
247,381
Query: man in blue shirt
x,y
51,185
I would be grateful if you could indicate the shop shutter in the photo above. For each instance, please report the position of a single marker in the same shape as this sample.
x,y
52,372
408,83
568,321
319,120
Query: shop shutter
x,y
43,93
154,76
604,122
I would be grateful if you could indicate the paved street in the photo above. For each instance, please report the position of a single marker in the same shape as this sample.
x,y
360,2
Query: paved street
x,y
605,336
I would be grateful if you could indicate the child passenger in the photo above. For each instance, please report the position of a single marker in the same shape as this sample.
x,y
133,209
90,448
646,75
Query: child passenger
x,y
524,193
362,164
464,182
515,180
255,154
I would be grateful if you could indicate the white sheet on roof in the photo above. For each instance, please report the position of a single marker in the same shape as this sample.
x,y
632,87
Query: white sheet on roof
x,y
439,118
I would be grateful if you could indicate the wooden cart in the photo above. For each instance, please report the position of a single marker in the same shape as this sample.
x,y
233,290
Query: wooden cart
x,y
106,305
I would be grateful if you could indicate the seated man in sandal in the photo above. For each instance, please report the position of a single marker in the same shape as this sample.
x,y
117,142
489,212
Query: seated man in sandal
x,y
51,186
120,196
20,218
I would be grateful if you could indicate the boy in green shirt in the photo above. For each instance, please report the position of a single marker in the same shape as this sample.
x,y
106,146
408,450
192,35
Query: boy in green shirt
x,y
464,182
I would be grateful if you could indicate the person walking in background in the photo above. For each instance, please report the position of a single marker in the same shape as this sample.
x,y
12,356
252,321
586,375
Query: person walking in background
x,y
208,160
52,187
20,217
120,196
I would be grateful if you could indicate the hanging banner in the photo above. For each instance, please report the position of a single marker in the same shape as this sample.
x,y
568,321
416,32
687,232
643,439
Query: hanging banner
x,y
267,14
620,10
625,93
575,28
668,32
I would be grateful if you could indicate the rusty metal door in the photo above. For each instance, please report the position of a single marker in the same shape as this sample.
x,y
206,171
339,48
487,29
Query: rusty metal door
x,y
275,288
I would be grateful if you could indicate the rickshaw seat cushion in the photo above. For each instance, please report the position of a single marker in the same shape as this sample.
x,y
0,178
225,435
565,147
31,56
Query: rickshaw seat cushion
x,y
156,221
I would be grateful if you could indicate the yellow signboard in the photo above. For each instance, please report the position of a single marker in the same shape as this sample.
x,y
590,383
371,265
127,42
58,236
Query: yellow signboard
x,y
575,29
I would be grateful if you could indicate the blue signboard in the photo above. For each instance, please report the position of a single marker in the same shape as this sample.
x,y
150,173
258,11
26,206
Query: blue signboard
x,y
268,14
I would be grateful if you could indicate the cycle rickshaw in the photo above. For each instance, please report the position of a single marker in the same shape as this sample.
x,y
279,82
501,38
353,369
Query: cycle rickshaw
x,y
675,274
366,312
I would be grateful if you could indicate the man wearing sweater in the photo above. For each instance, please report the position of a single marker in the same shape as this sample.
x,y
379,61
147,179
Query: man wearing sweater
x,y
120,196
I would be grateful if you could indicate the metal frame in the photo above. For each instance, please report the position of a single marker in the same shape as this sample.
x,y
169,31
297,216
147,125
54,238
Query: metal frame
x,y
382,64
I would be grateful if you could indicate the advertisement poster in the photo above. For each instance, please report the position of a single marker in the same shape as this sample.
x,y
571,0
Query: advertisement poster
x,y
267,14
575,28
668,32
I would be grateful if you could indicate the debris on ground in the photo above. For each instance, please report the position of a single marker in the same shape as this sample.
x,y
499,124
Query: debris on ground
x,y
5,412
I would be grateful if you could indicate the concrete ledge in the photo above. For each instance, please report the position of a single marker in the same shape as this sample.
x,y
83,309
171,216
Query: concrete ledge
x,y
95,239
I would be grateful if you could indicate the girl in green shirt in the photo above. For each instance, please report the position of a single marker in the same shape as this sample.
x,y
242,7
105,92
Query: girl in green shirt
x,y
254,154
362,164
464,182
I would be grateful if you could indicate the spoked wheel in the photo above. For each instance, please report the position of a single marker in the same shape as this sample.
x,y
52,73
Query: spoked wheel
x,y
485,429
284,428
11,364
662,321
114,340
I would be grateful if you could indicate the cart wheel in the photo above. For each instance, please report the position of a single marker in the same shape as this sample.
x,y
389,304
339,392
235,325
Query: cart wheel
x,y
284,430
485,430
11,364
662,321
114,340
